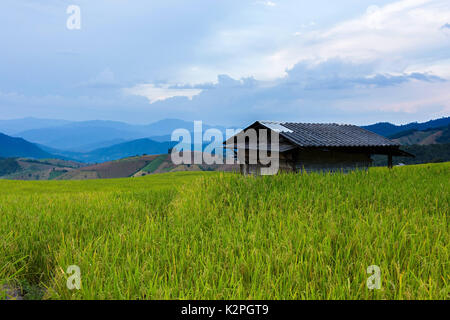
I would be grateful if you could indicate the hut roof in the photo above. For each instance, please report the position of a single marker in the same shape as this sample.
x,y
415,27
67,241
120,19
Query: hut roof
x,y
327,134
331,135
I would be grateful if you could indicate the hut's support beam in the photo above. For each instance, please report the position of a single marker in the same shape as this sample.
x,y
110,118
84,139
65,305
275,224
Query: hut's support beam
x,y
390,161
244,169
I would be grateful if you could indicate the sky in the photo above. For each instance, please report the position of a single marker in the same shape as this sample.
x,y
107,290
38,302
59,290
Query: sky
x,y
225,62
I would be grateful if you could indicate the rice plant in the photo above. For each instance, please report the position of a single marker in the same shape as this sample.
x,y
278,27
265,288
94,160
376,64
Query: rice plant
x,y
194,235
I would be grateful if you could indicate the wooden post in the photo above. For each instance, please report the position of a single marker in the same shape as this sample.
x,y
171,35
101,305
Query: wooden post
x,y
390,161
294,160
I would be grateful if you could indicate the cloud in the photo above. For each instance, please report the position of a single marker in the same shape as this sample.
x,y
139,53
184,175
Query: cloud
x,y
395,36
229,62
160,93
338,74
266,3
333,90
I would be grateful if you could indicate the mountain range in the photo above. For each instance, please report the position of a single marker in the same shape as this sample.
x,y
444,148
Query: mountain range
x,y
14,126
423,137
387,129
86,136
99,141
18,147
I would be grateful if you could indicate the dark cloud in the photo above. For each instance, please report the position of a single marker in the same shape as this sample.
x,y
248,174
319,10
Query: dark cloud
x,y
308,93
336,74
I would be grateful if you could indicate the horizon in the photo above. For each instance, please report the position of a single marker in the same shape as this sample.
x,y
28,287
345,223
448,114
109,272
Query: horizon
x,y
214,125
226,63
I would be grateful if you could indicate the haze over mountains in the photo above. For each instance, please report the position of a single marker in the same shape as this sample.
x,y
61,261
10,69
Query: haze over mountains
x,y
96,140
119,151
14,126
99,141
89,135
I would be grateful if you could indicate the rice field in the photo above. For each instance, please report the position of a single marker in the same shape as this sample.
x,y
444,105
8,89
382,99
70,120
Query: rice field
x,y
199,235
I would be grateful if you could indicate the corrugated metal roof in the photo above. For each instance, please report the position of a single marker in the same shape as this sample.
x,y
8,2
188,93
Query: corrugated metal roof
x,y
275,126
328,135
281,147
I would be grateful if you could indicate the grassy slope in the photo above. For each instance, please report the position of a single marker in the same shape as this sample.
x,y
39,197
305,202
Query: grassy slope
x,y
109,170
43,169
425,137
152,166
137,166
225,236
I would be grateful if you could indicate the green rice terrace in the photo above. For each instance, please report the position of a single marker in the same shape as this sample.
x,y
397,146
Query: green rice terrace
x,y
211,235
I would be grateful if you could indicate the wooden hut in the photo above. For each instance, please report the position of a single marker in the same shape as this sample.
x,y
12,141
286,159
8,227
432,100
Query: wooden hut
x,y
311,147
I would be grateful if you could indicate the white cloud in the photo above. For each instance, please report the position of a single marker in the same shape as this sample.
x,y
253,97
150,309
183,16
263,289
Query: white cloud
x,y
398,34
160,93
267,3
384,62
395,35
288,49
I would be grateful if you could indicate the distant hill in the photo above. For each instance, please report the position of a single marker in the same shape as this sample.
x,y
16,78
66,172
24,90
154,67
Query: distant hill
x,y
8,166
55,169
34,169
387,129
117,151
98,141
127,149
18,147
71,138
428,145
137,167
423,154
86,136
112,169
14,126
423,137
167,126
98,145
